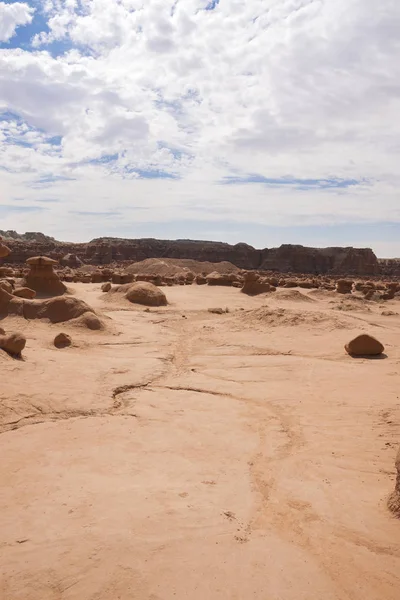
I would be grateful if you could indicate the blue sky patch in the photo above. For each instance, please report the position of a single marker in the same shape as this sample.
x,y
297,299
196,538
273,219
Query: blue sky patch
x,y
292,181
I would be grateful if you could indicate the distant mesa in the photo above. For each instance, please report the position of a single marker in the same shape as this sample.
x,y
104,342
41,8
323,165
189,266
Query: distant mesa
x,y
287,258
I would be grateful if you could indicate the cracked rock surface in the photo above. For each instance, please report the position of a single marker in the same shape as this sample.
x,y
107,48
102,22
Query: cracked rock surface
x,y
168,458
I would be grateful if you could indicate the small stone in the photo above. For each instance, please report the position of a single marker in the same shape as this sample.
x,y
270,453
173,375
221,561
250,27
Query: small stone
x,y
62,340
216,311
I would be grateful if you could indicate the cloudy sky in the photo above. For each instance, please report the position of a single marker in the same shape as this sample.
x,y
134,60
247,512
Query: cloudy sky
x,y
264,121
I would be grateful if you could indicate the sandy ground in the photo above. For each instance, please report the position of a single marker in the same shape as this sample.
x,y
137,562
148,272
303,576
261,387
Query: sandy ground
x,y
182,454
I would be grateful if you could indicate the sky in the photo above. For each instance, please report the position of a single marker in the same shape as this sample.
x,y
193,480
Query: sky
x,y
258,121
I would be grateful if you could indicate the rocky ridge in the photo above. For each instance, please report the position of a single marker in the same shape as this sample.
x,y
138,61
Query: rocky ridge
x,y
285,259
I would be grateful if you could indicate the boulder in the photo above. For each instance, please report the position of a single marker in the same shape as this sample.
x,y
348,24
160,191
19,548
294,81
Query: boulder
x,y
106,287
344,286
364,345
254,284
201,280
71,260
62,340
24,292
146,293
88,320
218,279
13,343
4,250
42,278
97,277
216,311
56,310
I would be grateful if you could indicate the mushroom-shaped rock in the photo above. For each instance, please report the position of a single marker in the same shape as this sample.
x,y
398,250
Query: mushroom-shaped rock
x,y
13,343
42,278
146,293
394,498
24,292
364,345
62,340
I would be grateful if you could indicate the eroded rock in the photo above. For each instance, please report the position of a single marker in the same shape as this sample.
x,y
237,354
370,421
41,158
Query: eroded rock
x,y
42,278
13,343
62,340
364,345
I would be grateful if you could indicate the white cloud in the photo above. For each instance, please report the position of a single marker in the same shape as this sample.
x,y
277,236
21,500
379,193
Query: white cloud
x,y
306,89
12,16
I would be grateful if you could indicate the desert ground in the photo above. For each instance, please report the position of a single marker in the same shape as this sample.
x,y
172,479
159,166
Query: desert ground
x,y
181,454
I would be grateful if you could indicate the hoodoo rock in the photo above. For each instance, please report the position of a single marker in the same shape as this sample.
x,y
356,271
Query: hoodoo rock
x,y
42,278
146,293
364,345
13,343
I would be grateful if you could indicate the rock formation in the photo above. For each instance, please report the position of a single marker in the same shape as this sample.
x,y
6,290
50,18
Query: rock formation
x,y
344,286
287,258
146,293
71,260
62,340
13,343
4,250
42,278
254,284
364,345
24,292
300,259
56,310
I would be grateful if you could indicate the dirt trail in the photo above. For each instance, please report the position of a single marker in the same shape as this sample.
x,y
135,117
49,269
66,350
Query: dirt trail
x,y
182,454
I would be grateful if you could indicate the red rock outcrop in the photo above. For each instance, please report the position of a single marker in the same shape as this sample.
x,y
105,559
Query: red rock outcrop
x,y
287,258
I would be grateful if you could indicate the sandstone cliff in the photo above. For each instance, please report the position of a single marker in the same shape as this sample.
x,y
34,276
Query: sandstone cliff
x,y
287,258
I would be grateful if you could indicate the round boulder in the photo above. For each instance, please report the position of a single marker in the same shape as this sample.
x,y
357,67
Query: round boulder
x,y
13,343
62,340
147,294
106,287
364,345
